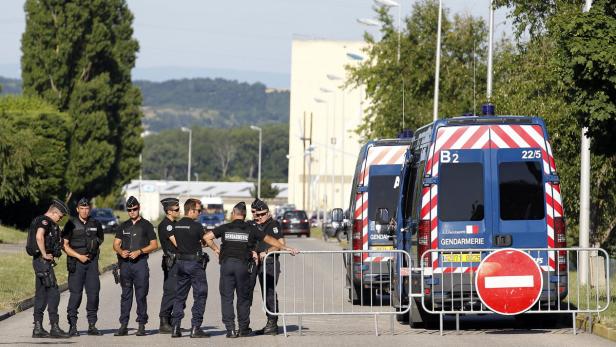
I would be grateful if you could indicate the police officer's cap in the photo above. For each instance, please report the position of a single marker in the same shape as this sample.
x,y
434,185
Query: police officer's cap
x,y
259,205
240,206
60,206
169,202
132,202
83,202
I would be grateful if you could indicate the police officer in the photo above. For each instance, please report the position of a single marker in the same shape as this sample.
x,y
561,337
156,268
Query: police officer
x,y
44,244
191,262
235,255
165,230
134,239
269,226
82,237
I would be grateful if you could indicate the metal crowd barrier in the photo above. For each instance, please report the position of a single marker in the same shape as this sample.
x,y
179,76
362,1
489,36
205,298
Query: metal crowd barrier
x,y
451,288
316,283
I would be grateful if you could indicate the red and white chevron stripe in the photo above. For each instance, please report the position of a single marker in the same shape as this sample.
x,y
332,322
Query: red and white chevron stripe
x,y
481,137
377,155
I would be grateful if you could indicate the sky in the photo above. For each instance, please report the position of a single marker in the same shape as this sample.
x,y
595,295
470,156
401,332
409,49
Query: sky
x,y
246,40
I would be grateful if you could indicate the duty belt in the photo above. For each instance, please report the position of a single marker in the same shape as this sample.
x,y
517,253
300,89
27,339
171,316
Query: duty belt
x,y
189,257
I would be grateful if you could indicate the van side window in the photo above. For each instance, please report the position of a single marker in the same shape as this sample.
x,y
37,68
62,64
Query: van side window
x,y
460,191
416,185
521,190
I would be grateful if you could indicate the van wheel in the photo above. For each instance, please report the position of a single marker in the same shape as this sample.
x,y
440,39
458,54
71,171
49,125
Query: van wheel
x,y
364,296
340,235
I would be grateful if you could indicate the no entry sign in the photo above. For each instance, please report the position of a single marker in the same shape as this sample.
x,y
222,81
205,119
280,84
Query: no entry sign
x,y
509,281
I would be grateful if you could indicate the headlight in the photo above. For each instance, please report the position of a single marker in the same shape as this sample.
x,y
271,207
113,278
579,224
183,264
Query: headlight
x,y
112,222
203,224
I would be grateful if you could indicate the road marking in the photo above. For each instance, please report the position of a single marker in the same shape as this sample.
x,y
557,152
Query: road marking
x,y
509,282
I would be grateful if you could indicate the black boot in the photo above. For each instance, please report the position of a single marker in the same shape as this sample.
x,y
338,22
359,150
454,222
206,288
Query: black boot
x,y
177,331
93,331
244,332
56,332
140,330
72,330
271,328
231,334
196,332
165,327
38,331
123,331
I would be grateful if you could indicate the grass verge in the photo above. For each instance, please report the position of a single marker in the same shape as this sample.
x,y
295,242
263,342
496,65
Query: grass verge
x,y
10,235
587,297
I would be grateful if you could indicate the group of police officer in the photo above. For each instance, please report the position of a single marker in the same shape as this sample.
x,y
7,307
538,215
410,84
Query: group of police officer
x,y
244,246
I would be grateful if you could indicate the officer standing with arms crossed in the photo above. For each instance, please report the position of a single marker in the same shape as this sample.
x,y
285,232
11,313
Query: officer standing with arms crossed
x,y
165,230
44,244
235,254
134,239
191,262
82,238
270,227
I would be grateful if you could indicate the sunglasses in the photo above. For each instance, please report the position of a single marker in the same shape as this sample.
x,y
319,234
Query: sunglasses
x,y
175,209
260,214
132,209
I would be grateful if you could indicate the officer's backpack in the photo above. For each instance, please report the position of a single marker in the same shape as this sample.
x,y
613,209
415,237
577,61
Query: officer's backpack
x,y
31,246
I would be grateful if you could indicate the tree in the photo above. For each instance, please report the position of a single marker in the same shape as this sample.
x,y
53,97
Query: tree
x,y
268,191
225,151
78,56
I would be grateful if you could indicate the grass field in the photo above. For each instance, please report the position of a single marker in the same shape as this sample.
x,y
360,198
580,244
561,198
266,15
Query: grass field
x,y
589,297
10,235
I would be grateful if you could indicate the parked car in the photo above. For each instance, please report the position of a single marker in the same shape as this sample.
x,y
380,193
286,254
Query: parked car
x,y
106,217
335,229
314,219
295,223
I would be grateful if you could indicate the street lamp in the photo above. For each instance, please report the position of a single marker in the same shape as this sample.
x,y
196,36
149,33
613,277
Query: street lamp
x,y
369,22
438,60
189,131
256,128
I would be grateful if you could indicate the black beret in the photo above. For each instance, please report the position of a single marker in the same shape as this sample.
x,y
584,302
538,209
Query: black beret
x,y
132,202
83,202
259,205
169,202
60,206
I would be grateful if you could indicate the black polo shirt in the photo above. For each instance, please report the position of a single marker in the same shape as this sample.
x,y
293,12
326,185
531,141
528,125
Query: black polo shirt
x,y
238,239
271,228
135,236
188,235
165,230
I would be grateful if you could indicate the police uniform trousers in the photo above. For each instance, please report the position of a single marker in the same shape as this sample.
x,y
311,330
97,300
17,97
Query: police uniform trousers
x,y
169,291
272,274
190,273
134,274
46,294
234,278
85,275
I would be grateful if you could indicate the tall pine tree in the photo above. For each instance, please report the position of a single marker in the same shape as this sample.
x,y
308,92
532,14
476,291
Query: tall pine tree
x,y
78,55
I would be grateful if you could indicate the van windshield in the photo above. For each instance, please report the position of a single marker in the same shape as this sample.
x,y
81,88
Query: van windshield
x,y
383,193
460,192
521,191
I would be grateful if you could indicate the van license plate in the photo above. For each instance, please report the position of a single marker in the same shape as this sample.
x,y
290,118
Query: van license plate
x,y
382,248
462,258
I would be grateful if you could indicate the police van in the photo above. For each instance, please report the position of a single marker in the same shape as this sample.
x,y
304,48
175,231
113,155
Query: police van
x,y
376,184
475,182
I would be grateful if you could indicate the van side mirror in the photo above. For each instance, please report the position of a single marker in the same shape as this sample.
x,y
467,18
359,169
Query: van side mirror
x,y
382,216
337,215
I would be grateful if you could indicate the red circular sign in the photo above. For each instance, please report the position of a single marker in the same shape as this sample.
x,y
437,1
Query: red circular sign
x,y
509,281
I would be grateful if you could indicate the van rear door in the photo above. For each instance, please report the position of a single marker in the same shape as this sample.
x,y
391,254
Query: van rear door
x,y
383,191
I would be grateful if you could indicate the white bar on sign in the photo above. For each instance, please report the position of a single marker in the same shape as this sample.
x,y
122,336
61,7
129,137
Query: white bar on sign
x,y
509,282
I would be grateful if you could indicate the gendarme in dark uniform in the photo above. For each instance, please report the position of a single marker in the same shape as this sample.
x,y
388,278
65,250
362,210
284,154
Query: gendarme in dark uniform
x,y
191,263
134,239
238,240
44,244
272,228
82,237
171,207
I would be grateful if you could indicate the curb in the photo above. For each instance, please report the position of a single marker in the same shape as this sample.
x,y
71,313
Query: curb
x,y
598,329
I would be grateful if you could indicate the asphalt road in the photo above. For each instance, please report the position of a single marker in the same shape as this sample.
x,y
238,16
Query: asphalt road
x,y
299,292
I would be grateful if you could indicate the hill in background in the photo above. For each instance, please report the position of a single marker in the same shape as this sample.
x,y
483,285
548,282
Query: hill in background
x,y
206,102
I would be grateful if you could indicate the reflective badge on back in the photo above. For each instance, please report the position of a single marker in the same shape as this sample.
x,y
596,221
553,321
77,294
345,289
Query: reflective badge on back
x,y
275,229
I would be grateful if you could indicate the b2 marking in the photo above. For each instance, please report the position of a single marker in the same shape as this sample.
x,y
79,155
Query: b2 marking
x,y
448,157
535,154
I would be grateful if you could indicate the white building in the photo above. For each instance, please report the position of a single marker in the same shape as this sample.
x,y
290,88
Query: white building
x,y
151,192
323,146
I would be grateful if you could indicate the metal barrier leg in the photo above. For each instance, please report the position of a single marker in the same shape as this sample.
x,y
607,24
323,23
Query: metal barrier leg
x,y
391,323
440,318
590,322
457,322
299,324
574,324
284,325
376,325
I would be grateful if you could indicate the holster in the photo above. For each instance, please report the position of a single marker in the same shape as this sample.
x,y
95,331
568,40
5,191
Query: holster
x,y
251,265
204,260
47,280
71,264
168,261
115,270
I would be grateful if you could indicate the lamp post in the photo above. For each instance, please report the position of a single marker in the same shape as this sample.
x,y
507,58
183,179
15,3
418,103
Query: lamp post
x,y
189,131
438,60
254,127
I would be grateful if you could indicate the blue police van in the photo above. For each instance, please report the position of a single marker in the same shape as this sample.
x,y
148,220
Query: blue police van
x,y
477,182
